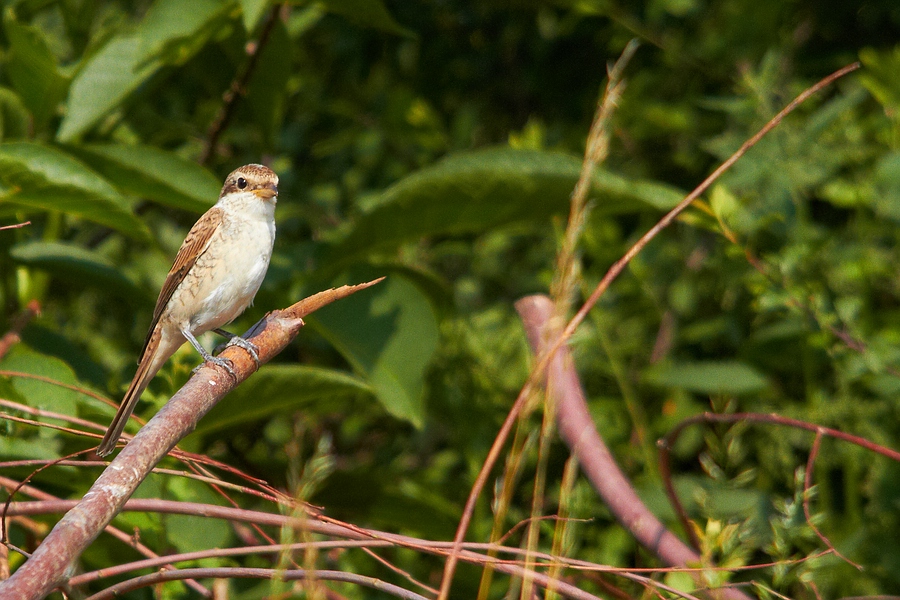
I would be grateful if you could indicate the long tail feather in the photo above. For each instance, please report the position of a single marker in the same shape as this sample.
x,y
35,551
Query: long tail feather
x,y
154,356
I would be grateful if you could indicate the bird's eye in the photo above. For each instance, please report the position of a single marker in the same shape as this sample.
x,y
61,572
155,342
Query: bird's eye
x,y
241,182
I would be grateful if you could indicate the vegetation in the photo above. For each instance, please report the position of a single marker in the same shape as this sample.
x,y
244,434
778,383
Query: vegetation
x,y
439,143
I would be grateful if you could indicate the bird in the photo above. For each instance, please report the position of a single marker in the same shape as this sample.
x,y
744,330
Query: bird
x,y
216,274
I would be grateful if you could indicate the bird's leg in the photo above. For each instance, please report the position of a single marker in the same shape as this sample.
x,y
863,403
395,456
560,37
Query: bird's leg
x,y
236,340
222,362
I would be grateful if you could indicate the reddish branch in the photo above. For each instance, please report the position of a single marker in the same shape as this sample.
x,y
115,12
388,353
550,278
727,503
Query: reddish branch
x,y
47,567
581,436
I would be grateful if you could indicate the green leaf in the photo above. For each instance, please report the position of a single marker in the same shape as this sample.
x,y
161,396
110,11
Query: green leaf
x,y
278,388
77,265
32,69
15,120
389,334
40,177
367,13
152,173
48,395
104,83
172,34
481,190
708,377
169,34
252,12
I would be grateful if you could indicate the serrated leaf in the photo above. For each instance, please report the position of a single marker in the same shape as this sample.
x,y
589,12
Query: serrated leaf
x,y
32,68
155,174
278,388
367,13
40,177
477,191
708,377
76,264
389,334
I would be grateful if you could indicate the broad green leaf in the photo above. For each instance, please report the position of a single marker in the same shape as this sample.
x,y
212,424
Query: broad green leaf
x,y
171,32
478,191
104,82
367,13
279,388
40,177
152,173
725,377
78,265
389,334
49,394
32,68
252,12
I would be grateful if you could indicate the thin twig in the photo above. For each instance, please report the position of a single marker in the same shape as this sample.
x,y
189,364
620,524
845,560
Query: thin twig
x,y
15,226
252,573
238,87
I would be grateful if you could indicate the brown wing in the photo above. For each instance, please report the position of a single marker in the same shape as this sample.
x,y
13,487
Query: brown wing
x,y
194,245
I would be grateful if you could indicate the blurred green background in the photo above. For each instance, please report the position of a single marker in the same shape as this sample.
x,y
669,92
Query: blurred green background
x,y
437,142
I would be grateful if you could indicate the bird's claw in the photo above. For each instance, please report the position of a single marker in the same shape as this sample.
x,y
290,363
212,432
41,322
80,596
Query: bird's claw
x,y
251,348
219,362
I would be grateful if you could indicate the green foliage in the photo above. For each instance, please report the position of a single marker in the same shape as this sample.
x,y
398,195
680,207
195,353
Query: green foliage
x,y
437,144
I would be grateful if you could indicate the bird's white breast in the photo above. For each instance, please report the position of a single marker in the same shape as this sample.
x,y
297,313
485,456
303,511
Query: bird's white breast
x,y
228,274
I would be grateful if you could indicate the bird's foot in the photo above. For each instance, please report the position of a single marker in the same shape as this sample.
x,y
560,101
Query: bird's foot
x,y
219,362
251,348
236,340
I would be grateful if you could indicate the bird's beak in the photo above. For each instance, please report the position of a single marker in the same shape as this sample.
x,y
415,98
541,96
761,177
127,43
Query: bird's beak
x,y
270,191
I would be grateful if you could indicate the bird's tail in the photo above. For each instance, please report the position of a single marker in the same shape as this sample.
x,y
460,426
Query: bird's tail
x,y
154,356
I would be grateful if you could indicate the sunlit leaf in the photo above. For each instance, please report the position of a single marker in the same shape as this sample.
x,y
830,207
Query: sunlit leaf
x,y
252,12
389,334
104,83
41,177
155,174
168,34
77,265
47,394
